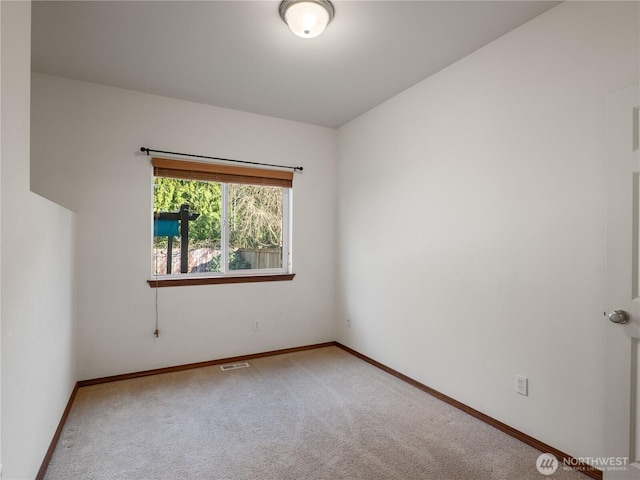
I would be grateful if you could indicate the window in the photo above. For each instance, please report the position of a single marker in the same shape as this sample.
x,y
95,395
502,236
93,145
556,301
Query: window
x,y
219,223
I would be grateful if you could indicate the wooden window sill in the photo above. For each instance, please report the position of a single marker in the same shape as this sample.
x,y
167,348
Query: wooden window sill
x,y
184,282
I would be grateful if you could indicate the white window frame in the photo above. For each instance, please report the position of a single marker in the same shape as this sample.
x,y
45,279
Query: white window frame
x,y
287,264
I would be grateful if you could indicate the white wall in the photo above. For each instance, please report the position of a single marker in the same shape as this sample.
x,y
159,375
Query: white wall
x,y
472,223
1,241
85,155
38,354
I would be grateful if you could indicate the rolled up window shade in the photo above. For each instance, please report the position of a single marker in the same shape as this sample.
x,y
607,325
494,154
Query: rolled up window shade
x,y
211,172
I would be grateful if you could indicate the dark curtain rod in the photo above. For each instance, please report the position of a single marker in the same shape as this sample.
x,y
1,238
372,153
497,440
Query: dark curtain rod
x,y
148,150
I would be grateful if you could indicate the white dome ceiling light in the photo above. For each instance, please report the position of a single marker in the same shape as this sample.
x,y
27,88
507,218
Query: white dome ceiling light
x,y
307,18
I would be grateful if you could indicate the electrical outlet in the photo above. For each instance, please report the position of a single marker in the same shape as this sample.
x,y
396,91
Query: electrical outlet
x,y
348,323
522,385
256,325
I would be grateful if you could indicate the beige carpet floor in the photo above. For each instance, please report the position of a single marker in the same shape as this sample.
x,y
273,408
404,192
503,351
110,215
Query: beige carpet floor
x,y
314,415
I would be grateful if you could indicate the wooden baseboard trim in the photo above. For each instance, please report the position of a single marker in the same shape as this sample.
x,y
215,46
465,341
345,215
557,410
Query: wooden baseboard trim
x,y
208,363
56,435
503,427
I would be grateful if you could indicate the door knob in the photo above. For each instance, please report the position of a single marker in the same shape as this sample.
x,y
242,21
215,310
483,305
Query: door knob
x,y
619,316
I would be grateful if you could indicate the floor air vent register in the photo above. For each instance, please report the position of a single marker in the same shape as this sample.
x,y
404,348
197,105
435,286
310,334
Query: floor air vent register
x,y
233,366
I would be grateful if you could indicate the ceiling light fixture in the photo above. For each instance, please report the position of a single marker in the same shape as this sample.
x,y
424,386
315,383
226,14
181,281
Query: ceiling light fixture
x,y
306,18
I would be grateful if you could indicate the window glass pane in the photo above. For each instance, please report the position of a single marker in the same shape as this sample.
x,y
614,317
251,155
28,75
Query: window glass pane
x,y
255,227
203,200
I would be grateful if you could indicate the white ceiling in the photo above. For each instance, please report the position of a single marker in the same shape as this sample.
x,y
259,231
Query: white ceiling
x,y
240,55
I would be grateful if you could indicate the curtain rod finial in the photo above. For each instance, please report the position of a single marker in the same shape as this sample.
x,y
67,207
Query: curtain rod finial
x,y
143,149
